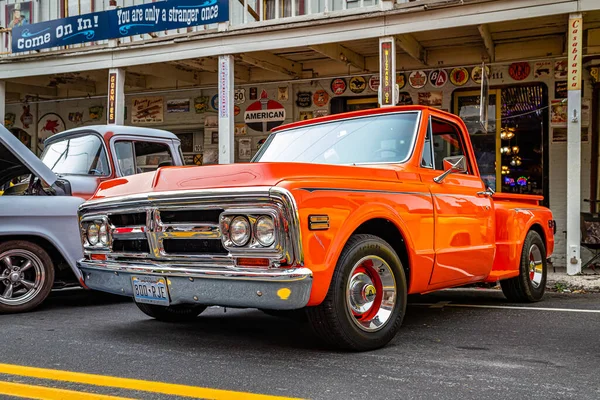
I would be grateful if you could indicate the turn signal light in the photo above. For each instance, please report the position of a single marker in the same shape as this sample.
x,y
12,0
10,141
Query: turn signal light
x,y
253,262
98,257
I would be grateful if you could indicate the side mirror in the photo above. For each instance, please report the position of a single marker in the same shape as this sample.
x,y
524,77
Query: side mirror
x,y
454,164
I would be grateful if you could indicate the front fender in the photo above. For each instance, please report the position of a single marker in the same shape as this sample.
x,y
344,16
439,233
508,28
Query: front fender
x,y
53,219
410,212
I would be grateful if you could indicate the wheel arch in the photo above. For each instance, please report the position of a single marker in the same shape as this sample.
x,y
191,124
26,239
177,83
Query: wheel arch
x,y
392,234
54,251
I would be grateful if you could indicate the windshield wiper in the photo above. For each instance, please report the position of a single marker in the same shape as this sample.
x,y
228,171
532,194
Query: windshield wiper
x,y
64,153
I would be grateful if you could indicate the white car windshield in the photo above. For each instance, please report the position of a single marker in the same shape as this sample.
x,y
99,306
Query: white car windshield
x,y
380,138
80,155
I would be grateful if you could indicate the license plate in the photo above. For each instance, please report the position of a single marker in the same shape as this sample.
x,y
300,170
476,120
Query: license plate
x,y
150,290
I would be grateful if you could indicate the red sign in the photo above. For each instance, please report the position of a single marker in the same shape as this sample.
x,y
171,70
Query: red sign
x,y
112,97
519,71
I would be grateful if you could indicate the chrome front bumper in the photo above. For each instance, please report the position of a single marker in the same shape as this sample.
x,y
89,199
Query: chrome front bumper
x,y
277,289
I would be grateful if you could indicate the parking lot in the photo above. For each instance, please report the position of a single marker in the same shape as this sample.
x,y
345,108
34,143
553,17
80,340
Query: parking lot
x,y
467,344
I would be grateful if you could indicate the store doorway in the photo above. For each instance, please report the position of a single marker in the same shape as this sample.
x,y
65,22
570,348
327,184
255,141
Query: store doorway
x,y
513,154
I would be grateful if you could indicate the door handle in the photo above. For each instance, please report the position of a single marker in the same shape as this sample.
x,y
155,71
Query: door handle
x,y
485,193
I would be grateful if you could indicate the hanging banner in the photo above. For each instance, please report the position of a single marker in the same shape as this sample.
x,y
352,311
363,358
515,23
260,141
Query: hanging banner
x,y
118,23
574,53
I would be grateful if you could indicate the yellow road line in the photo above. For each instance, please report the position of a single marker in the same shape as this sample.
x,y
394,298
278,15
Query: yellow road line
x,y
132,384
45,393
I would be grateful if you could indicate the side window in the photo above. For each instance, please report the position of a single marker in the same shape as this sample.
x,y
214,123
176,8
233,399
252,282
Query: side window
x,y
427,159
447,142
125,157
150,156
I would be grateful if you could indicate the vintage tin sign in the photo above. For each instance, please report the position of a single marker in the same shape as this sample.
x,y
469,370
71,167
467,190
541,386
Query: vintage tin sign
x,y
338,86
417,79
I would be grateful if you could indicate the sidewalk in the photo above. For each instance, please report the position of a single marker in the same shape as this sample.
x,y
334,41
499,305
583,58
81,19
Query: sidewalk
x,y
559,281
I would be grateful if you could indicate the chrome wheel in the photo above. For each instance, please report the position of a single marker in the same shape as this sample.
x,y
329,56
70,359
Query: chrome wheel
x,y
371,293
21,277
536,266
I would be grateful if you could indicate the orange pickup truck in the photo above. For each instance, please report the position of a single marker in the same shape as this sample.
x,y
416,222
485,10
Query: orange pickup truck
x,y
340,217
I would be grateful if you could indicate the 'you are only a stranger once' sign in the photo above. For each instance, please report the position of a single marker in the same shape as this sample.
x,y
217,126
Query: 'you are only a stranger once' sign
x,y
121,22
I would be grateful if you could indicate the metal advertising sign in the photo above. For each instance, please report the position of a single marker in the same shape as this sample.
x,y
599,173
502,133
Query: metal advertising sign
x,y
387,72
574,53
118,23
112,97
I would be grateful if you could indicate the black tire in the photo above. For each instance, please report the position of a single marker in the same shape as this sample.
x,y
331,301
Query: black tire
x,y
332,320
180,313
521,289
46,279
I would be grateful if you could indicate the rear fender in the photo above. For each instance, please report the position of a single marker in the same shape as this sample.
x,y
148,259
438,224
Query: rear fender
x,y
512,226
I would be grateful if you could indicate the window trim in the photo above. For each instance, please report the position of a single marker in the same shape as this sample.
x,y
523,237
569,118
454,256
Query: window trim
x,y
431,152
408,157
132,140
461,140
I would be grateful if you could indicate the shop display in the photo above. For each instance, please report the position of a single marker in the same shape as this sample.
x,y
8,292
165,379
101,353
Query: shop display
x,y
26,117
358,84
459,76
404,99
264,114
320,98
519,71
75,117
431,99
240,129
542,69
476,73
560,69
147,110
304,115
48,125
239,96
560,90
245,149
178,106
304,99
320,113
417,79
253,93
201,104
283,93
558,113
9,120
400,80
95,112
374,83
338,86
438,78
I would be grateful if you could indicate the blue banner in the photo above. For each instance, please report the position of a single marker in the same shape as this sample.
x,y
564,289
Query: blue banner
x,y
118,23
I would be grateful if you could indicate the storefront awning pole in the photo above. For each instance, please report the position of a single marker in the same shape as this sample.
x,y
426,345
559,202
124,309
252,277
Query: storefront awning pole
x,y
573,259
2,101
226,115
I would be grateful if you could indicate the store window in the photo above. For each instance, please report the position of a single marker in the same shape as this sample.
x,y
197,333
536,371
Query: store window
x,y
512,153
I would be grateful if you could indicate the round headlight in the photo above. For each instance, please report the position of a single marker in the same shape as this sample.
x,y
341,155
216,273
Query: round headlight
x,y
239,231
103,234
92,234
265,231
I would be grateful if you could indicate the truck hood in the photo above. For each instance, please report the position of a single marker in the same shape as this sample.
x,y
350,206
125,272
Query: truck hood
x,y
234,175
16,159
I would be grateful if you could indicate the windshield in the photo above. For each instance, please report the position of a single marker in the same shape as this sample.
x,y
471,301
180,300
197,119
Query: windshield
x,y
383,138
81,155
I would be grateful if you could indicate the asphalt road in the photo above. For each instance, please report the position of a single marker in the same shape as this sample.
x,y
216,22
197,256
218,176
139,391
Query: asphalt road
x,y
457,344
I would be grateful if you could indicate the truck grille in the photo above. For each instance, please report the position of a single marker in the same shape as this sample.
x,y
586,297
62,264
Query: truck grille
x,y
163,232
